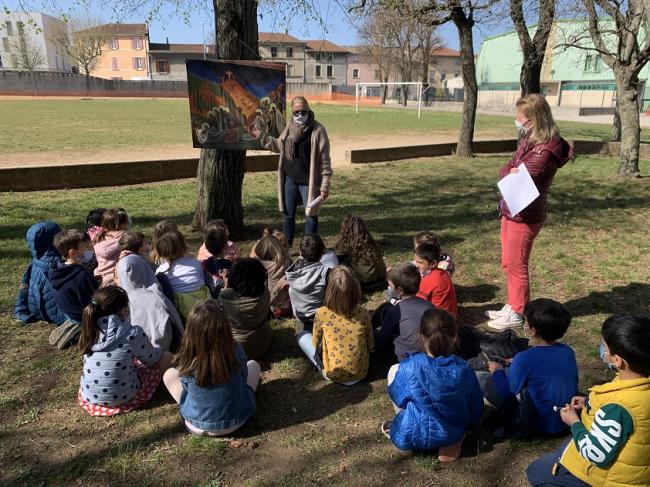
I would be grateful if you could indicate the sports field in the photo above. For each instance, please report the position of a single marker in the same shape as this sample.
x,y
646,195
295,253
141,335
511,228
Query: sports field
x,y
593,255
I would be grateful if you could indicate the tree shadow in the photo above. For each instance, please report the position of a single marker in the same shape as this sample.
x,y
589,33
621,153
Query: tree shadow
x,y
631,298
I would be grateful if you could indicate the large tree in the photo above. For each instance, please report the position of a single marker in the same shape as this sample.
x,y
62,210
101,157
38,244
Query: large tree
x,y
28,56
378,46
220,175
82,39
533,48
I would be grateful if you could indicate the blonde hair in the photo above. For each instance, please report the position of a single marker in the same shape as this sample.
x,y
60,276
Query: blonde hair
x,y
536,109
343,292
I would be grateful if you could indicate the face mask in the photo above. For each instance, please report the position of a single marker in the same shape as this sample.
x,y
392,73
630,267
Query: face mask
x,y
520,127
300,119
601,352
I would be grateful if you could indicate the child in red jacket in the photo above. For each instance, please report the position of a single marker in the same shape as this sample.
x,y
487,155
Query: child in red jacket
x,y
435,286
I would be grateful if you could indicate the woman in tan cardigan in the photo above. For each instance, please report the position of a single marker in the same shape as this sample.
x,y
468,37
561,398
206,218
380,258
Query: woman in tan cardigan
x,y
304,169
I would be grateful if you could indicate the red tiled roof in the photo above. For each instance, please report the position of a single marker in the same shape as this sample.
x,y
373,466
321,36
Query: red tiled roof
x,y
279,37
178,48
323,45
444,52
122,30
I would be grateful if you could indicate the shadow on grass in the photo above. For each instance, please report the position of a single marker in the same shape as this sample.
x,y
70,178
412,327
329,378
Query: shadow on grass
x,y
631,298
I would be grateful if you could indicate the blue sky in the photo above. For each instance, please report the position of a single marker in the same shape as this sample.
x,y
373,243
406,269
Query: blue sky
x,y
340,26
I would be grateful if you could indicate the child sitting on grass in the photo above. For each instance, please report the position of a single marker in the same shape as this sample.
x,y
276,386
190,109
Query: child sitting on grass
x,y
539,378
435,286
342,339
357,249
161,228
121,368
307,278
399,324
609,428
215,240
184,273
94,223
134,243
435,394
72,284
211,380
230,250
35,300
246,301
107,244
445,262
275,259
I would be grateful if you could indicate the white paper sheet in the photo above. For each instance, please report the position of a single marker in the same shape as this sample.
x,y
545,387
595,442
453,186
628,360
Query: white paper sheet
x,y
518,190
316,200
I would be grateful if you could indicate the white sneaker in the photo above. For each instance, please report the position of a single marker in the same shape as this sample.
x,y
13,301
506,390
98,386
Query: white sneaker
x,y
509,320
493,314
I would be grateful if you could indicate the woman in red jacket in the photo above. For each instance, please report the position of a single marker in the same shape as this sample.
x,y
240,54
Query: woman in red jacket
x,y
543,151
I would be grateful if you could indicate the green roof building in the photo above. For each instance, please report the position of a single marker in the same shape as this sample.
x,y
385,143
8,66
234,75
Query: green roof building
x,y
571,76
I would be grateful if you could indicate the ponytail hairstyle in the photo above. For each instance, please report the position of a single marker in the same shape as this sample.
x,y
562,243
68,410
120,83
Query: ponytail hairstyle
x,y
207,349
438,332
343,292
278,234
106,301
113,220
161,228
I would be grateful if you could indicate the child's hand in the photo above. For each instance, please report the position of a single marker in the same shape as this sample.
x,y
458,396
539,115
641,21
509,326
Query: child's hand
x,y
578,402
223,273
494,366
569,415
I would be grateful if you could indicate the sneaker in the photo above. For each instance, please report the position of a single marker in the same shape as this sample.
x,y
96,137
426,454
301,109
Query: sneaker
x,y
509,320
493,314
450,453
385,428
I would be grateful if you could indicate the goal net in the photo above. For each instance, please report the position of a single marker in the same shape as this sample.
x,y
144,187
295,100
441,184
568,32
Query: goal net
x,y
394,90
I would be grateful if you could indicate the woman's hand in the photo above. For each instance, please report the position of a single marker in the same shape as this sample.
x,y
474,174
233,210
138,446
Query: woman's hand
x,y
324,195
514,170
569,415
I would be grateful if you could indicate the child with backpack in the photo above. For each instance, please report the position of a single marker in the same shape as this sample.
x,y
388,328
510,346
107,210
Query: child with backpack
x,y
211,380
435,393
275,259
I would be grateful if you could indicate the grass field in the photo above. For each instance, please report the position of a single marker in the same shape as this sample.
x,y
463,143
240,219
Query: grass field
x,y
78,125
593,255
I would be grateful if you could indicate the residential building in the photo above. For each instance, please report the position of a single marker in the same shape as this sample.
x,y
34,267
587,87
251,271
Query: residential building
x,y
283,48
124,56
167,60
326,63
444,65
31,33
570,77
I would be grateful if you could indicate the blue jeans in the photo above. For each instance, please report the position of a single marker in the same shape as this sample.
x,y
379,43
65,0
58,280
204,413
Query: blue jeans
x,y
294,195
540,472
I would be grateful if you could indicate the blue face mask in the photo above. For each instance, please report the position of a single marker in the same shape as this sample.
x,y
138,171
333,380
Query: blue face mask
x,y
601,352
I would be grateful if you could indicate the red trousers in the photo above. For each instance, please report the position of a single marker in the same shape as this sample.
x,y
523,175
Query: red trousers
x,y
516,244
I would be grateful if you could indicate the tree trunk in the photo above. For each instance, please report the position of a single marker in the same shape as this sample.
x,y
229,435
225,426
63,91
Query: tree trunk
x,y
384,91
529,77
628,107
220,175
405,95
466,135
616,126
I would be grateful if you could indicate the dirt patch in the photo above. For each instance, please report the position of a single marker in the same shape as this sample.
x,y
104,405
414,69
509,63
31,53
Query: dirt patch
x,y
181,151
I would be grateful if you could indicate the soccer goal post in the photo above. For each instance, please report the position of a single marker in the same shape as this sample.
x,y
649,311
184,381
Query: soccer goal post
x,y
359,86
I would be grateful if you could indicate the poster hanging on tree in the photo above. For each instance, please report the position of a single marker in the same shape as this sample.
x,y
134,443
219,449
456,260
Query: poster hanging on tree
x,y
234,103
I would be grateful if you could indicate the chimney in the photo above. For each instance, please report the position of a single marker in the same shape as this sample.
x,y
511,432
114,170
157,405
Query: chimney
x,y
167,40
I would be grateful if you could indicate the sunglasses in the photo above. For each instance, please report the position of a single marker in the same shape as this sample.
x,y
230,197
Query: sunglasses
x,y
301,112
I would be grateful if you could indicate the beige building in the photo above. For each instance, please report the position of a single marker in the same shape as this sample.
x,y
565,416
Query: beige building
x,y
326,63
124,56
283,48
167,60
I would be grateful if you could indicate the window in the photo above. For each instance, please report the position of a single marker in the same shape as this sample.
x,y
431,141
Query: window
x,y
289,70
330,57
138,63
330,71
318,73
354,59
0,61
355,73
5,44
114,44
289,51
456,74
377,74
162,67
10,28
588,63
317,56
117,78
14,60
136,43
443,75
56,61
114,65
432,75
274,52
457,62
598,64
21,29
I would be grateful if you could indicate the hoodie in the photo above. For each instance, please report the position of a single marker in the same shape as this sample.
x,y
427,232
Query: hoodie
x,y
249,318
307,282
107,253
542,162
73,287
109,377
35,300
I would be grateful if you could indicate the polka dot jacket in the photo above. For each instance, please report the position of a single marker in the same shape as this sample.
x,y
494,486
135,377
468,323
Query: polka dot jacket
x,y
109,377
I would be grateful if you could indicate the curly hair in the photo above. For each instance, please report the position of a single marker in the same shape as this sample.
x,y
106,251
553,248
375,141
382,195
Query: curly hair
x,y
355,240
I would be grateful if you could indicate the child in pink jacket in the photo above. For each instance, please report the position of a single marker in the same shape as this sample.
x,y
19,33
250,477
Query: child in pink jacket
x,y
107,247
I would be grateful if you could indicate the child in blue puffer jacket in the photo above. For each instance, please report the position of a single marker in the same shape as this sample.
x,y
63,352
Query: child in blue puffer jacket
x,y
35,300
436,395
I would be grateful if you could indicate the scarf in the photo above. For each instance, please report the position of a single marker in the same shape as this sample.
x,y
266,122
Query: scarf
x,y
296,134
